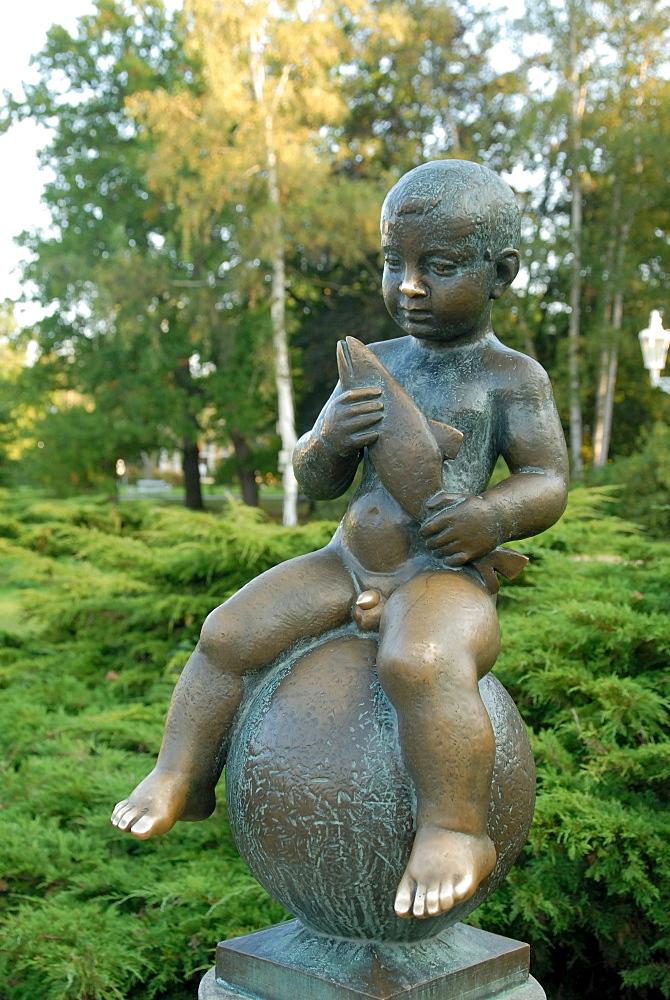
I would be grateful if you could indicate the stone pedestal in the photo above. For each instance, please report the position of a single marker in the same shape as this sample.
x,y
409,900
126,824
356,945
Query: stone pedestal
x,y
290,962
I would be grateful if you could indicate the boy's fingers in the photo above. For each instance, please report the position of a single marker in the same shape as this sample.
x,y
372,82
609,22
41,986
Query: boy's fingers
x,y
442,498
439,526
448,542
367,406
354,395
365,439
459,559
445,540
437,523
363,421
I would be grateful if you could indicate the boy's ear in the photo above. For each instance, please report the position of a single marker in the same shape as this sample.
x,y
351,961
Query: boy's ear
x,y
507,267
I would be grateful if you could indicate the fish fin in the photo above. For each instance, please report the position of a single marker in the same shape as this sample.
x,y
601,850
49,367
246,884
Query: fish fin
x,y
484,567
449,439
507,562
358,353
345,367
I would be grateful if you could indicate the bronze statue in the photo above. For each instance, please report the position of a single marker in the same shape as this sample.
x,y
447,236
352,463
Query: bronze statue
x,y
409,578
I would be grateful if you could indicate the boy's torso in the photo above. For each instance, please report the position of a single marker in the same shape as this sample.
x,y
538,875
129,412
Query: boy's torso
x,y
461,387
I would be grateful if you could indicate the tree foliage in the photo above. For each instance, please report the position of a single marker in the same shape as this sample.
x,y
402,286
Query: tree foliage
x,y
132,322
170,232
102,607
595,133
211,171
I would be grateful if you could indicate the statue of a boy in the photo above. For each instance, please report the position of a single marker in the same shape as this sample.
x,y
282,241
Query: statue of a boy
x,y
450,232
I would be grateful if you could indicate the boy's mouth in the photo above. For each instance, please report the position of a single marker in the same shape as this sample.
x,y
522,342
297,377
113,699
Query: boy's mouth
x,y
415,315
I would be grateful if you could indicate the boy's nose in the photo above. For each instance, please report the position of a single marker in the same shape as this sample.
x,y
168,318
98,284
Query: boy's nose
x,y
412,287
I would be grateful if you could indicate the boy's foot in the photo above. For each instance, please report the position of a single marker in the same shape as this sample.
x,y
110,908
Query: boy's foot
x,y
156,805
444,868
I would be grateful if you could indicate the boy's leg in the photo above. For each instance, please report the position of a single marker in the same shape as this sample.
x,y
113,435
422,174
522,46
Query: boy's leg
x,y
440,634
299,599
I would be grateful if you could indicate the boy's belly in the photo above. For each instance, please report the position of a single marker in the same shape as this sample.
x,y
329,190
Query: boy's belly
x,y
378,532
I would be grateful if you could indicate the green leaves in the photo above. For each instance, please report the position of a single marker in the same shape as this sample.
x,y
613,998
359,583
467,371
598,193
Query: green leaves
x,y
586,647
116,595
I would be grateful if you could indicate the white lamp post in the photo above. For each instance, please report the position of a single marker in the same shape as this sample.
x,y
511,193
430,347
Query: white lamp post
x,y
121,473
654,342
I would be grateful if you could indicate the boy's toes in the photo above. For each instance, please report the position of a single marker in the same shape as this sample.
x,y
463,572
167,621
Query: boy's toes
x,y
115,813
142,827
404,897
433,900
464,887
123,815
446,896
419,908
119,809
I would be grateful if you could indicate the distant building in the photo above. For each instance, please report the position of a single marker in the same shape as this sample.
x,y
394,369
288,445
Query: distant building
x,y
210,456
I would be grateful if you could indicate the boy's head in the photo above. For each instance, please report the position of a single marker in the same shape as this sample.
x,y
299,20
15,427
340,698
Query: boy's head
x,y
459,189
450,235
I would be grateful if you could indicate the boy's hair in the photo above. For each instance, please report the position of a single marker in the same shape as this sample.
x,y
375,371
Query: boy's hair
x,y
465,187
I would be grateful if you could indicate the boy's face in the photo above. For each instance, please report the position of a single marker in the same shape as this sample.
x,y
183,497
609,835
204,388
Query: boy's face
x,y
437,282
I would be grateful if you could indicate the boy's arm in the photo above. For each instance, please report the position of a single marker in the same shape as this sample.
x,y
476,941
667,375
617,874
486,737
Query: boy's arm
x,y
531,499
325,459
533,445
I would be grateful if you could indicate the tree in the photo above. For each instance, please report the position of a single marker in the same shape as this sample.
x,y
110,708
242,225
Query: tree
x,y
269,98
632,193
156,259
14,421
120,326
594,127
423,86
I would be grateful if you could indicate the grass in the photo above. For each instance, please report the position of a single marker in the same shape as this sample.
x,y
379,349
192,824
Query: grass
x,y
13,619
112,597
11,615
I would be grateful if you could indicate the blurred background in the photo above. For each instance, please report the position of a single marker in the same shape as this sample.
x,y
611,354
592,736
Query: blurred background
x,y
198,163
190,199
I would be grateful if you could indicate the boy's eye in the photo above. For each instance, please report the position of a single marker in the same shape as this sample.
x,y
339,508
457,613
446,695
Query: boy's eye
x,y
439,266
392,261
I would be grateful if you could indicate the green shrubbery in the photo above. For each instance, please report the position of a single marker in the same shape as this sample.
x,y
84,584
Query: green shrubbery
x,y
643,481
585,654
115,596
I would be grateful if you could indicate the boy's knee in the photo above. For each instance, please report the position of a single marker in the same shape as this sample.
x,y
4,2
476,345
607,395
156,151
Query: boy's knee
x,y
219,633
232,639
419,667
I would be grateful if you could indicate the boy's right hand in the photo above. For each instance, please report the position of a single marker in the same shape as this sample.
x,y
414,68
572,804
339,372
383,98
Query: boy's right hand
x,y
348,421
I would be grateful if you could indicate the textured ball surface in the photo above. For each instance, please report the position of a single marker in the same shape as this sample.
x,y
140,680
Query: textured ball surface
x,y
320,803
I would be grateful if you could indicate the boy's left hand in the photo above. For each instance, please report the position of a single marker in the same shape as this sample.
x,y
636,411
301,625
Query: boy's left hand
x,y
465,530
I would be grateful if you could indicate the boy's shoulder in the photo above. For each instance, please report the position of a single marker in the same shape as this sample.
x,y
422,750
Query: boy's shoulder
x,y
389,348
501,367
512,369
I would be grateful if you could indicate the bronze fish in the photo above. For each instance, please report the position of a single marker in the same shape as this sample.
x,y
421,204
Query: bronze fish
x,y
407,456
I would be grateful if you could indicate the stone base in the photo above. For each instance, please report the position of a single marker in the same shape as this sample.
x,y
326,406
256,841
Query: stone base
x,y
290,962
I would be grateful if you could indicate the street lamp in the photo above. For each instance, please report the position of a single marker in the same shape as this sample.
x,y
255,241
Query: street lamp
x,y
654,342
121,473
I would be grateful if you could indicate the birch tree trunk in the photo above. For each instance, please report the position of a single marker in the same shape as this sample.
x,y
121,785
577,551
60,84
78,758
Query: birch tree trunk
x,y
612,368
599,452
283,380
609,364
599,456
609,355
574,328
